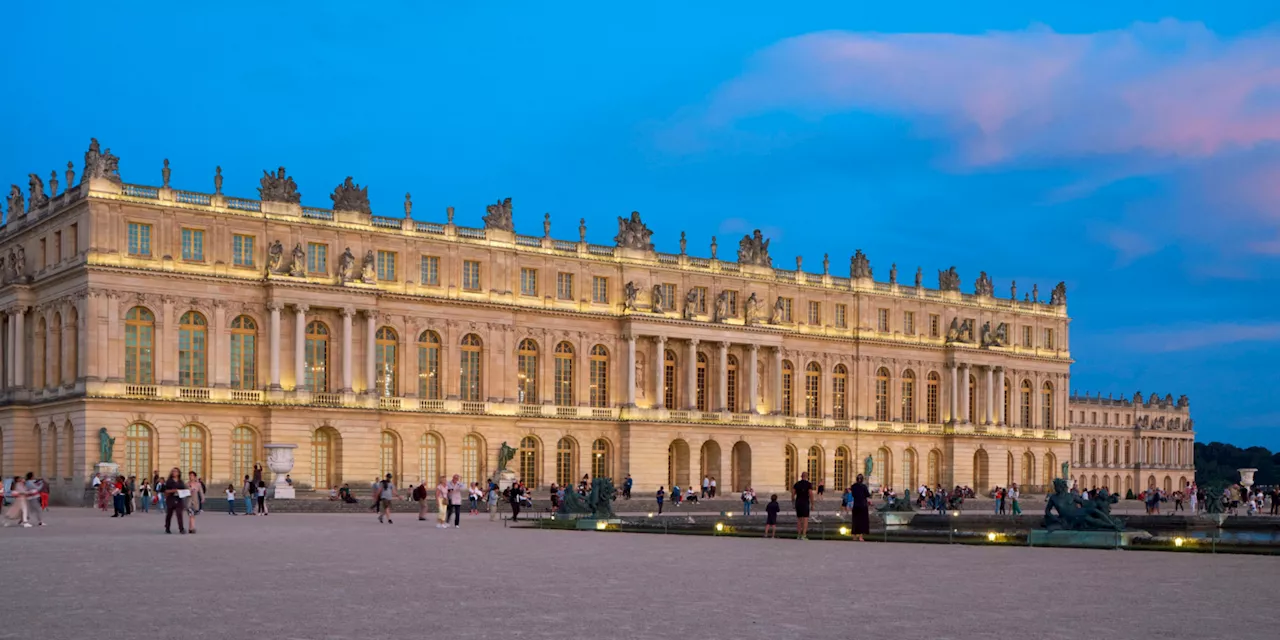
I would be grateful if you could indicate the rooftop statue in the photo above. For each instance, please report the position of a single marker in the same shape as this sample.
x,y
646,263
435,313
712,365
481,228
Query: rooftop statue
x,y
278,188
38,198
999,337
633,234
949,280
100,164
1059,294
919,277
598,502
859,265
893,273
1066,511
350,196
983,285
499,216
17,203
754,250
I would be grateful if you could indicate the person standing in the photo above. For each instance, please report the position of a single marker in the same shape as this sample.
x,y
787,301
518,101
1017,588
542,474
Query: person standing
x,y
261,491
455,488
1013,499
492,500
257,473
442,499
387,494
474,497
420,495
859,508
802,498
173,490
771,517
626,488
195,489
660,497
34,487
117,497
712,491
706,486
18,504
747,498
250,490
513,497
231,499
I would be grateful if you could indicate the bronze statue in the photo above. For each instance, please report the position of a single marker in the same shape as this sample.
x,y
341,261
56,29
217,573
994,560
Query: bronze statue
x,y
598,502
105,445
1066,511
505,454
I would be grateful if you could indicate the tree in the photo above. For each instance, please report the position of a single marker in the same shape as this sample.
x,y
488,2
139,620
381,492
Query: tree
x,y
1217,462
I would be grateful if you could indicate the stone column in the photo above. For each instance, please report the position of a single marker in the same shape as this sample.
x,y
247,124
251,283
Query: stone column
x,y
722,378
19,347
220,363
347,312
300,346
964,392
753,380
954,402
777,381
660,369
691,400
631,371
51,338
1000,417
371,328
991,397
273,340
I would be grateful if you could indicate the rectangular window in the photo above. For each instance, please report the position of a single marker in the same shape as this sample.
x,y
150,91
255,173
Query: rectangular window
x,y
935,325
842,315
701,292
431,271
564,286
57,246
387,266
139,240
600,289
1026,337
73,237
882,320
242,250
909,323
669,300
317,258
44,254
193,245
815,313
786,309
471,275
733,303
1048,338
528,281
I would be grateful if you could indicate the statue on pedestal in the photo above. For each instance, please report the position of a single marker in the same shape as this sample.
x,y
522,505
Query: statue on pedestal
x,y
629,293
38,198
346,266
754,250
350,196
275,257
859,265
498,216
278,188
368,270
106,444
298,268
633,234
505,454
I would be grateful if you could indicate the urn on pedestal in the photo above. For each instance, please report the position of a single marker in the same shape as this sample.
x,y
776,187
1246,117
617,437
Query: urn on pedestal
x,y
280,461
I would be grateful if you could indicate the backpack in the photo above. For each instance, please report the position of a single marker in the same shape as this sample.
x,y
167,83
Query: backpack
x,y
420,492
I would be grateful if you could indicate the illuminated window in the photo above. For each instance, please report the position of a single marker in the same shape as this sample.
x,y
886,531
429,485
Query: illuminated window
x,y
814,466
139,240
244,452
813,391
564,286
731,379
530,462
788,388
527,372
600,459
429,368
430,268
1046,406
670,301
564,375
931,398
139,336
242,250
244,353
193,245
882,395
471,275
566,459
191,449
732,299
1026,337
815,313
908,396
701,304
429,457
317,357
192,349
386,362
472,459
599,377
842,468
935,325
842,316
1026,404
700,383
669,379
389,456
789,466
528,282
839,390
469,368
786,309
322,459
137,451
386,264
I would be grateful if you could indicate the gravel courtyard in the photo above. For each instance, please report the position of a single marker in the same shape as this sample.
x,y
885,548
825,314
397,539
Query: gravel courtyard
x,y
342,576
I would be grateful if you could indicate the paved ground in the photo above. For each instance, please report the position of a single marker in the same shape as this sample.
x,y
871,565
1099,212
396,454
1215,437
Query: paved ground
x,y
344,576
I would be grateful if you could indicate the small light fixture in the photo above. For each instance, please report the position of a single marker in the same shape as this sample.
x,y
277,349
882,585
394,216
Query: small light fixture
x,y
650,514
955,514
601,526
991,536
728,514
719,526
1177,542
844,531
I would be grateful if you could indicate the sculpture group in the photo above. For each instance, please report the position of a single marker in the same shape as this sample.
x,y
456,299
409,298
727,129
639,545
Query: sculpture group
x,y
598,502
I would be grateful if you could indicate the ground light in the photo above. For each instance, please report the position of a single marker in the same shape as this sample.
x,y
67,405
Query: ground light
x,y
601,526
1177,542
991,536
719,527
844,531
651,514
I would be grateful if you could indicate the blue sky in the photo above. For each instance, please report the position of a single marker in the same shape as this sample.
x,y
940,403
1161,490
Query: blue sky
x,y
1130,149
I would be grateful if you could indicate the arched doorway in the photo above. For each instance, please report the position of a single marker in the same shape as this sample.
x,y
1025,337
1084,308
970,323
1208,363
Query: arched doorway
x,y
1168,484
935,468
709,460
1028,469
980,469
678,464
326,458
741,463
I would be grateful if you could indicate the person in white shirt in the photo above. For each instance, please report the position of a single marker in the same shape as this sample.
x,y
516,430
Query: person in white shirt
x,y
706,484
455,488
386,493
712,491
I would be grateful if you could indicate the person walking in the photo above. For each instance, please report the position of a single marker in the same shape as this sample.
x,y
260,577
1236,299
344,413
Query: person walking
x,y
261,491
145,494
473,497
771,517
442,499
712,491
250,490
158,483
513,496
626,488
455,488
492,500
661,495
1013,499
706,486
802,497
34,487
859,507
386,495
174,491
420,496
117,497
195,488
18,504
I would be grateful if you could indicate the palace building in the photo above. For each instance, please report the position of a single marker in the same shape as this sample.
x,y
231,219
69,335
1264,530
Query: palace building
x,y
197,328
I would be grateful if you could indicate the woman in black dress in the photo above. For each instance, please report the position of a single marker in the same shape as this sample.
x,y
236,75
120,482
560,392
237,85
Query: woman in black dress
x,y
858,510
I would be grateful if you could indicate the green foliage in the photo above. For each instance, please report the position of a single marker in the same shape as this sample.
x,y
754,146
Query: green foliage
x,y
1128,495
1216,463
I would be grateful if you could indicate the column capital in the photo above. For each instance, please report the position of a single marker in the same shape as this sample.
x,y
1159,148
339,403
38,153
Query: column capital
x,y
661,340
274,305
631,338
371,314
998,369
694,341
301,307
754,348
347,311
723,344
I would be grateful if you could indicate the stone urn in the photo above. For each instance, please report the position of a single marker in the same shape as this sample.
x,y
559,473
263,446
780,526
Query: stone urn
x,y
280,461
1246,477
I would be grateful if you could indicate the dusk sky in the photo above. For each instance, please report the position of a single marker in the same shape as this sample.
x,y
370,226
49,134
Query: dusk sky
x,y
1130,149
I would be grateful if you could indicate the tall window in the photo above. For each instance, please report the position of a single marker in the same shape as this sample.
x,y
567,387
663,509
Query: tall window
x,y
1008,399
600,290
564,375
789,465
786,309
388,456
669,379
788,388
139,336
472,459
732,298
192,349
1026,404
882,320
842,315
566,456
842,469
1048,338
321,459
429,368
934,473
1046,406
908,396
528,281
137,451
731,387
191,449
599,377
882,395
910,475
242,250
139,240
527,372
1026,337
244,452
935,325
387,266
564,286
529,461
839,392
700,383
815,313
244,354
317,258
931,398
909,323
669,299
193,245
813,390
600,462
469,368
471,275
386,361
814,466
429,457
701,294
317,357
430,275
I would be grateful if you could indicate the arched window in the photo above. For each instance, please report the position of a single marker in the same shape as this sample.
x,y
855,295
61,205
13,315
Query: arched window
x,y
1028,469
789,465
192,349
55,361
731,390
322,458
244,354
1008,398
530,462
839,394
788,388
1093,452
908,396
1115,453
980,469
910,474
429,457
881,471
137,451
317,361
882,394
469,368
1048,469
389,456
813,390
931,398
935,468
244,452
1026,405
700,400
1046,406
191,440
429,369
842,469
598,382
566,462
527,372
564,375
1106,451
669,369
139,339
386,363
814,465
473,459
601,460
1126,451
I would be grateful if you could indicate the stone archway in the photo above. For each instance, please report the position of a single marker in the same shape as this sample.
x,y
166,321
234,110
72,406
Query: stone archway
x,y
678,464
981,484
741,463
709,462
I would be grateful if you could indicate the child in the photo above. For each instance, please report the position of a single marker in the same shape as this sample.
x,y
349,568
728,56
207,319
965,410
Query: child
x,y
771,524
231,499
661,495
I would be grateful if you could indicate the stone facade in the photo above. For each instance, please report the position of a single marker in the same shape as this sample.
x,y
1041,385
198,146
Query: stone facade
x,y
198,328
1130,444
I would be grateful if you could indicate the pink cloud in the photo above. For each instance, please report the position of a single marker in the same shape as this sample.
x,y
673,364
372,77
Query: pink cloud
x,y
1199,337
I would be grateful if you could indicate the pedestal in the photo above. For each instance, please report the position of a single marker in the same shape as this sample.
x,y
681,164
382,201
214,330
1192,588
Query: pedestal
x,y
280,461
107,470
504,479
